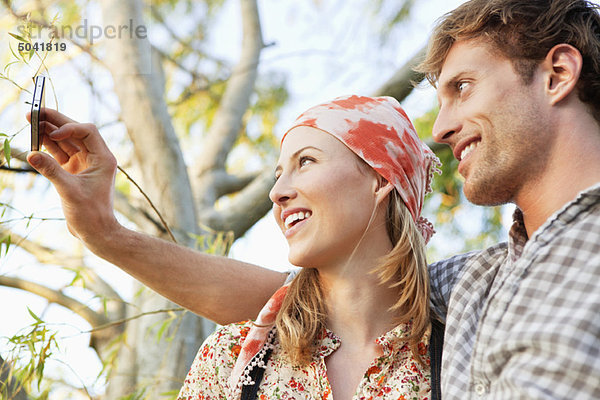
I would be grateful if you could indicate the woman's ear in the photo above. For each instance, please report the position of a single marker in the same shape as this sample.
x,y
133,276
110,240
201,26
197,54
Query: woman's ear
x,y
382,190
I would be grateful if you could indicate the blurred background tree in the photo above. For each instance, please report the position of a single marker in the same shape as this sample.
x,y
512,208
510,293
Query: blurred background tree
x,y
192,109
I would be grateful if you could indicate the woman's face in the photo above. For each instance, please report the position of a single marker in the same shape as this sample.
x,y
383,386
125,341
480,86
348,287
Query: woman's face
x,y
322,198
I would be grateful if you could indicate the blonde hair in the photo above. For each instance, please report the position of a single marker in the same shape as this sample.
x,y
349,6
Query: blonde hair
x,y
301,320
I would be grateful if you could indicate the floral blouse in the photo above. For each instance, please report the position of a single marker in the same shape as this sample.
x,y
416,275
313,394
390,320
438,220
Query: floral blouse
x,y
395,375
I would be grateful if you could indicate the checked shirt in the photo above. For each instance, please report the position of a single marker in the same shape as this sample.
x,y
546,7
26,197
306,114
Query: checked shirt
x,y
523,317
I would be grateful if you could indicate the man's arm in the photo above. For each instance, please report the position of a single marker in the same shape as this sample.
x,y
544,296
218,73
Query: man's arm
x,y
442,277
82,169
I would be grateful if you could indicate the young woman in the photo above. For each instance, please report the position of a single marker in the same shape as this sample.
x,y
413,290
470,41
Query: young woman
x,y
354,323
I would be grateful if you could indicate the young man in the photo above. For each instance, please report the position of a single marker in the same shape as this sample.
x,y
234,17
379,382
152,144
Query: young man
x,y
518,86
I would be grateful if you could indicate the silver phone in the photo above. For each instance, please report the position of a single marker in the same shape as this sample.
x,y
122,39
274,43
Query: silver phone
x,y
36,105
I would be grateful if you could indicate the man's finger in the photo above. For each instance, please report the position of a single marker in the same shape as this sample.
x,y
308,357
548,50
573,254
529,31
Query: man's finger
x,y
47,166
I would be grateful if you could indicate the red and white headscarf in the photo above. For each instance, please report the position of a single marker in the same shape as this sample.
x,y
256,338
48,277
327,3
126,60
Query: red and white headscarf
x,y
378,130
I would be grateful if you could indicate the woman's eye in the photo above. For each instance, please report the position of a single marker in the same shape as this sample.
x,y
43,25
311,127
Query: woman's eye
x,y
305,160
461,86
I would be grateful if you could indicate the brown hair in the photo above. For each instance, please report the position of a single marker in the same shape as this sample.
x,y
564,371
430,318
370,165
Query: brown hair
x,y
524,32
301,319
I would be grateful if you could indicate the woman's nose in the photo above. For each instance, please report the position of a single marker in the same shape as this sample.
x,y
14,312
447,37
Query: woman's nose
x,y
282,191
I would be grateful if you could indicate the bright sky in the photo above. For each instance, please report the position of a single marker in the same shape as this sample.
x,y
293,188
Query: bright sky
x,y
325,48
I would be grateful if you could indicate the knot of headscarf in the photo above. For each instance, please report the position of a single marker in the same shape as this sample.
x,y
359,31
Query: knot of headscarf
x,y
378,130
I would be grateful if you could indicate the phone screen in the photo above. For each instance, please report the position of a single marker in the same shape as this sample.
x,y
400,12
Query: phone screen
x,y
36,105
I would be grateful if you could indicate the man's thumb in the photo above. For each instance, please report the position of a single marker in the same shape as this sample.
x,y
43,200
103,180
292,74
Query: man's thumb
x,y
45,165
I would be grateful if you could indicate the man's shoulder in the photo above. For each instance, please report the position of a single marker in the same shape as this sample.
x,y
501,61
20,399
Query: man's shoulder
x,y
490,255
468,267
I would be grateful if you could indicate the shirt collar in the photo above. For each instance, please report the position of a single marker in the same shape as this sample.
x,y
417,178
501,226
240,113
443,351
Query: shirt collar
x,y
390,342
518,235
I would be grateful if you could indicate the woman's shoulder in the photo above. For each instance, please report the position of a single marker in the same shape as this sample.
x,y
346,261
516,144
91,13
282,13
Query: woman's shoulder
x,y
227,340
214,362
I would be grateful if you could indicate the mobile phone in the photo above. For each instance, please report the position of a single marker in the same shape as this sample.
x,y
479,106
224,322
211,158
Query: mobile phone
x,y
36,106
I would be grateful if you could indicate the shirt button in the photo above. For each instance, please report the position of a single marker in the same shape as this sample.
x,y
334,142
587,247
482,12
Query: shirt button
x,y
480,388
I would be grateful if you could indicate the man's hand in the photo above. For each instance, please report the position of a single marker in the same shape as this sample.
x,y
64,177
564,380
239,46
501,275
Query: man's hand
x,y
82,169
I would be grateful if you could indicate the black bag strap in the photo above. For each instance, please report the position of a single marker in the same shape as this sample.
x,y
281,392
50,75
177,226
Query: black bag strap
x,y
249,392
436,342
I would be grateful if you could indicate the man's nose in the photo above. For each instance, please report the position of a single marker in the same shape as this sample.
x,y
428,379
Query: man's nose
x,y
446,124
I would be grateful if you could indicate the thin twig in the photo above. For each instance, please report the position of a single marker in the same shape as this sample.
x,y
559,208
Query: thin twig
x,y
162,220
11,169
122,321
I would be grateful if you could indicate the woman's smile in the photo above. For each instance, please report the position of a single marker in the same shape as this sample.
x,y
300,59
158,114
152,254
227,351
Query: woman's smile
x,y
293,220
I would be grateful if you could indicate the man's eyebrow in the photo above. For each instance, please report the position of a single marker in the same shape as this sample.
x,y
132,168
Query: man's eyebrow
x,y
296,153
450,84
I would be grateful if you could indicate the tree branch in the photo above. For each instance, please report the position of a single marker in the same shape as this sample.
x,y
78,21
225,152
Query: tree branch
x,y
56,296
227,183
195,75
227,122
139,216
184,43
47,255
400,85
252,202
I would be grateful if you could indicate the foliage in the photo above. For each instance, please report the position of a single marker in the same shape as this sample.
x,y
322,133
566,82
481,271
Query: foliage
x,y
29,352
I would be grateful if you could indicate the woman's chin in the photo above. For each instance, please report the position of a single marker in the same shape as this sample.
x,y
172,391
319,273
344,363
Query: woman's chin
x,y
302,260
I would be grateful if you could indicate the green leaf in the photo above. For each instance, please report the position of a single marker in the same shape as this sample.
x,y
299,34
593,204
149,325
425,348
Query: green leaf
x,y
7,66
162,329
37,319
6,241
19,38
170,393
29,219
105,305
7,151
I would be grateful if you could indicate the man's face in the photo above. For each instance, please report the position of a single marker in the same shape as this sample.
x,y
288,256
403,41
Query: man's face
x,y
495,124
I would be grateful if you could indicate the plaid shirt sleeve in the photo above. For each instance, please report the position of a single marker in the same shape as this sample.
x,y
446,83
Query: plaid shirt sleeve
x,y
442,277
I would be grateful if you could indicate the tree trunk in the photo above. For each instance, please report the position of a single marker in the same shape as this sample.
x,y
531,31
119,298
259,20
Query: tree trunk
x,y
154,360
145,363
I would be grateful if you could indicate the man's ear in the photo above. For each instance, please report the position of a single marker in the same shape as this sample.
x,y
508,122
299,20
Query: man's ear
x,y
563,64
382,190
